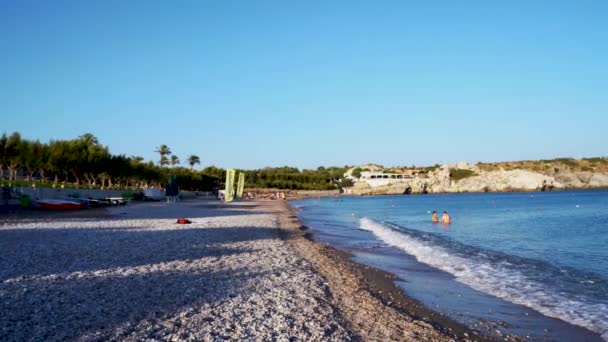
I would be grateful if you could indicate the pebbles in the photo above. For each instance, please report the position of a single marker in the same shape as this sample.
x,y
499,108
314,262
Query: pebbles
x,y
140,276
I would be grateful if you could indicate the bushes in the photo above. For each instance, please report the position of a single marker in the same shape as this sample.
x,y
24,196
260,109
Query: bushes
x,y
458,174
431,168
323,178
570,162
596,160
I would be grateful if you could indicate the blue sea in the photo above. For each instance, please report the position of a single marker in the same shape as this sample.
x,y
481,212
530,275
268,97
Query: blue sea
x,y
532,264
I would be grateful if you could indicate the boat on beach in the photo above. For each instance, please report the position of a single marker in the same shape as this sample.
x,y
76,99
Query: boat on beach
x,y
60,204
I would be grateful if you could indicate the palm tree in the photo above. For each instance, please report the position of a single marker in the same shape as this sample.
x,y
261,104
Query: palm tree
x,y
193,159
163,151
174,160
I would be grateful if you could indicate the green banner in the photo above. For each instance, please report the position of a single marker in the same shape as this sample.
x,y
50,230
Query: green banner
x,y
240,186
230,173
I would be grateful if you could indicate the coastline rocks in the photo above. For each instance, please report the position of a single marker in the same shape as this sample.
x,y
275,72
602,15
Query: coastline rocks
x,y
440,181
512,180
584,176
569,179
598,180
505,181
583,179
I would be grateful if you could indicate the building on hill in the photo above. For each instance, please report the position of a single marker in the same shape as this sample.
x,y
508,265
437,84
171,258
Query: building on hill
x,y
380,178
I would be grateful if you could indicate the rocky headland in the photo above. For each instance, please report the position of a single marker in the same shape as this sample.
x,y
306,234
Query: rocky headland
x,y
465,177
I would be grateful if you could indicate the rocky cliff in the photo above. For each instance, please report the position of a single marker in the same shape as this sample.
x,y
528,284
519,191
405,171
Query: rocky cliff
x,y
442,180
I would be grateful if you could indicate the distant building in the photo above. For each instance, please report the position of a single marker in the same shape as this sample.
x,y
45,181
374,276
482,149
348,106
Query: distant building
x,y
380,178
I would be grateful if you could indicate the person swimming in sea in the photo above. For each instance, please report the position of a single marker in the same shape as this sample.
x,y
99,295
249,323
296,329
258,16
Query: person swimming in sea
x,y
435,217
445,218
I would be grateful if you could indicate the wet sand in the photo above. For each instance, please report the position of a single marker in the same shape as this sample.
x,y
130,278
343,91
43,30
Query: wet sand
x,y
376,307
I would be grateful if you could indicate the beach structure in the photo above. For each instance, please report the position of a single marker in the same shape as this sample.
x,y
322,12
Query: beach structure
x,y
230,174
240,186
172,189
154,194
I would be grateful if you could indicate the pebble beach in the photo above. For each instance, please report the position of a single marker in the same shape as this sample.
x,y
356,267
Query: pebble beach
x,y
240,271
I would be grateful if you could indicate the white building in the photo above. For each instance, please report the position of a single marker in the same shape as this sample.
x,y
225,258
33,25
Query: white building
x,y
379,178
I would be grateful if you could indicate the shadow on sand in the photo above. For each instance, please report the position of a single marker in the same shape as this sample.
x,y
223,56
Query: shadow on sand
x,y
59,308
27,252
146,210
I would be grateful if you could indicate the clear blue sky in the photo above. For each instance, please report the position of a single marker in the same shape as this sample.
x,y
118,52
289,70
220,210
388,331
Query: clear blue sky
x,y
269,83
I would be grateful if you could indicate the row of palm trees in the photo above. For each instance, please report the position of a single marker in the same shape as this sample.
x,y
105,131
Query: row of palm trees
x,y
164,151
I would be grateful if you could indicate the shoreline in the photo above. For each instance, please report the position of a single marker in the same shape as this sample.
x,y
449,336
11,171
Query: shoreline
x,y
243,270
410,278
453,193
355,286
261,259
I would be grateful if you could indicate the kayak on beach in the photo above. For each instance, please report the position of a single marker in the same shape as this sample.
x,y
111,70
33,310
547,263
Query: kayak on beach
x,y
60,204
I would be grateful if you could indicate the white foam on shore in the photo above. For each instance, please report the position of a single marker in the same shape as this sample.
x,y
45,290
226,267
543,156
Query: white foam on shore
x,y
497,280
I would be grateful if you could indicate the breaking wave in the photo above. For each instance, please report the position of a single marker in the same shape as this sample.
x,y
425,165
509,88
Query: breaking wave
x,y
552,291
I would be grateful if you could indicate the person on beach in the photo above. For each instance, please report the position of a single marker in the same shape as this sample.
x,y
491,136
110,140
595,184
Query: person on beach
x,y
445,218
435,217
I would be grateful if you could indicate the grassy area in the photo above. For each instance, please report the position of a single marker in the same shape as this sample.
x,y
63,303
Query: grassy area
x,y
458,174
550,166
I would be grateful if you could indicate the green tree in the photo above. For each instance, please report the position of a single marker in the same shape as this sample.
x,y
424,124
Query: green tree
x,y
163,150
174,160
136,160
3,155
214,171
84,160
89,139
36,159
192,160
13,154
90,156
58,160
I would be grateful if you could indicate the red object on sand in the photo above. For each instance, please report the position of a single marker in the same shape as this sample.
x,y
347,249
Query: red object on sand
x,y
59,204
183,221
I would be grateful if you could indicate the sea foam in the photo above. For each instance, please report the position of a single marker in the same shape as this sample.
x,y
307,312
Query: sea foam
x,y
496,278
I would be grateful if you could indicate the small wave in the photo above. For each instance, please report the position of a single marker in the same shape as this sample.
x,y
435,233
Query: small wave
x,y
495,277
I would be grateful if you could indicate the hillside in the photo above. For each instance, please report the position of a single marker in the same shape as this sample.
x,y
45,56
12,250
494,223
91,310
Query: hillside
x,y
544,175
